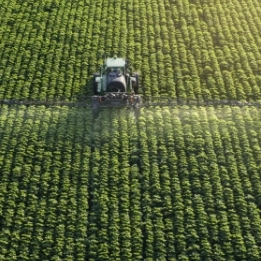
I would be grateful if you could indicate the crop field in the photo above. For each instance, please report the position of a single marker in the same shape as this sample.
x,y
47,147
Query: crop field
x,y
183,48
176,184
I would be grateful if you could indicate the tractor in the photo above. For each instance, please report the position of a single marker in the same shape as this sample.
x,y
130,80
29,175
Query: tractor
x,y
115,86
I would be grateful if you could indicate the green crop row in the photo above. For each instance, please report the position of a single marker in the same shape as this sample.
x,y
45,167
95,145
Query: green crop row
x,y
44,183
175,184
190,49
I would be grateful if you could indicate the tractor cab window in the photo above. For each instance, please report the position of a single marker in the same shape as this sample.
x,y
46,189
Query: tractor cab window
x,y
114,71
118,70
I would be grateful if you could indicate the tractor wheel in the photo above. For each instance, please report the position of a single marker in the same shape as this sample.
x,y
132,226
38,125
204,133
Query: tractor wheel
x,y
136,84
95,84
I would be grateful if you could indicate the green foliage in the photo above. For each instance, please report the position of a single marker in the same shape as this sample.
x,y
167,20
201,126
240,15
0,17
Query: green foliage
x,y
189,49
175,184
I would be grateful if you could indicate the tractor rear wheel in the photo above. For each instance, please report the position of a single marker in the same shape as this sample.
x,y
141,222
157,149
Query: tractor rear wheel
x,y
95,84
136,84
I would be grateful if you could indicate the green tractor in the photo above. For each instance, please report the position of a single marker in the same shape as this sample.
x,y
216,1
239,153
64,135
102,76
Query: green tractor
x,y
115,86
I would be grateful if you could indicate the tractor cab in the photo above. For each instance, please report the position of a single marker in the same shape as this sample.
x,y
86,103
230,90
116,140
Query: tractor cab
x,y
116,82
115,71
112,77
115,85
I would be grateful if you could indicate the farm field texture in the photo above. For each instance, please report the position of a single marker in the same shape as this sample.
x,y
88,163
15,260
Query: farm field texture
x,y
182,48
175,184
178,184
